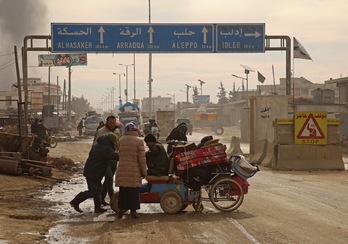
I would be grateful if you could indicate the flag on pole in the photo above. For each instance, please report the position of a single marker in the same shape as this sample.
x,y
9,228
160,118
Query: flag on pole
x,y
260,77
300,51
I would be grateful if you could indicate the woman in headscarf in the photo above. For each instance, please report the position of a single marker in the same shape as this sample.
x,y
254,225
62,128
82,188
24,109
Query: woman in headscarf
x,y
178,133
130,171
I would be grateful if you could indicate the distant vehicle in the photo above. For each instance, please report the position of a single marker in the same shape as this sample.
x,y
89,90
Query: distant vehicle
x,y
188,125
91,125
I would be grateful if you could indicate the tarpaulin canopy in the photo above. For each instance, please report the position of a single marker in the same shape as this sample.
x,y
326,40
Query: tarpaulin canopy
x,y
129,107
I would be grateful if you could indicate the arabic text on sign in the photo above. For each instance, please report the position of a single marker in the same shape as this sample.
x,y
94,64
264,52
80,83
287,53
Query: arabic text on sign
x,y
65,32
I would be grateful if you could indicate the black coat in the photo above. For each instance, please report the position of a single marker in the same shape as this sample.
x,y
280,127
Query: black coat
x,y
157,160
98,159
178,133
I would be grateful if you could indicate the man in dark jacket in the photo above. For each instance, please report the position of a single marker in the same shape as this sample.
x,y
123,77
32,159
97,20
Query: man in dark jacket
x,y
156,157
94,171
108,184
156,160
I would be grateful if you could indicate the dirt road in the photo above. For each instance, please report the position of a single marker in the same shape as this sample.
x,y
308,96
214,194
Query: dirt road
x,y
281,207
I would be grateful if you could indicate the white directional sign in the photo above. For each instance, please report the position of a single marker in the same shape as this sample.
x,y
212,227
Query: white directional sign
x,y
157,38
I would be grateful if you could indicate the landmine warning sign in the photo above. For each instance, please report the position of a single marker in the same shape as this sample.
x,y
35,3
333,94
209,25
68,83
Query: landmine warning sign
x,y
311,128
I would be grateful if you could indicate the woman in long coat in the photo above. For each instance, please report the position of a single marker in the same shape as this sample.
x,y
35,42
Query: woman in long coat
x,y
130,171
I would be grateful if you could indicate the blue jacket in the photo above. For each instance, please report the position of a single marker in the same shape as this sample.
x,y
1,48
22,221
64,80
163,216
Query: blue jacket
x,y
98,159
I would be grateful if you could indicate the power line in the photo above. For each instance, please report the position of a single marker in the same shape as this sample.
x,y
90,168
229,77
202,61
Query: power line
x,y
6,54
4,66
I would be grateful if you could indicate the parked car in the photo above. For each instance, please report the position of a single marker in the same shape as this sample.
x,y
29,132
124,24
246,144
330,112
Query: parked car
x,y
91,125
188,125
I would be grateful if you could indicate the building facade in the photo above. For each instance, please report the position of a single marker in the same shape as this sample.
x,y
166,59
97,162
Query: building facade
x,y
39,95
300,87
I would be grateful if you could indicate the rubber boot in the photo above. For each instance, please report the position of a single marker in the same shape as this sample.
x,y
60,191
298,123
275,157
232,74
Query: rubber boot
x,y
97,204
77,200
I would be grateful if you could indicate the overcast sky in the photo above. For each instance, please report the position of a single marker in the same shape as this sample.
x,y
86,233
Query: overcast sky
x,y
320,25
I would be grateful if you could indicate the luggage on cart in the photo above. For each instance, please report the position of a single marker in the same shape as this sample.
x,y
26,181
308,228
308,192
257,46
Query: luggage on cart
x,y
243,168
197,167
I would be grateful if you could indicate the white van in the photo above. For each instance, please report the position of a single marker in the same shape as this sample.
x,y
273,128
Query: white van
x,y
91,125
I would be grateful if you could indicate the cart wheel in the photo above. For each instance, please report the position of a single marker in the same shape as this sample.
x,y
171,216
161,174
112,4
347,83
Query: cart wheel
x,y
198,206
219,131
114,202
226,195
53,142
171,202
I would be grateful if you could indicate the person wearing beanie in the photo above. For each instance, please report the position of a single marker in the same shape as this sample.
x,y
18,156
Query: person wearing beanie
x,y
96,165
130,171
156,157
156,160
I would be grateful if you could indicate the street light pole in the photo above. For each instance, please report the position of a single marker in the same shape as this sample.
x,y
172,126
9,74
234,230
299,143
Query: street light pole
x,y
247,70
134,77
126,79
187,92
242,78
150,71
112,102
119,88
201,83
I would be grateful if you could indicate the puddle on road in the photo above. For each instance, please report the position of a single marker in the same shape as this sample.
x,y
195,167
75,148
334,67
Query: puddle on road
x,y
62,193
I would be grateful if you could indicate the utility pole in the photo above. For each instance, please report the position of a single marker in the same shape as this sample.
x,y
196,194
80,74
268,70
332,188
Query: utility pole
x,y
49,91
187,92
201,83
58,97
69,97
150,71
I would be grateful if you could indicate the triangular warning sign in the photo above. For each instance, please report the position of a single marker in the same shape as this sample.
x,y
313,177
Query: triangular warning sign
x,y
310,129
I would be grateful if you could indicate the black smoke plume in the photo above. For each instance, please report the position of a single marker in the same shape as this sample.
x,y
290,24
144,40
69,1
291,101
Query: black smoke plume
x,y
18,18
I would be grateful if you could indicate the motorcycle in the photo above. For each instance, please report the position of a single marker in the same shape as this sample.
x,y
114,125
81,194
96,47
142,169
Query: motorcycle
x,y
50,140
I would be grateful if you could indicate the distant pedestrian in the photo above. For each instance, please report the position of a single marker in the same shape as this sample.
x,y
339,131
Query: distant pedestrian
x,y
80,127
96,165
101,124
130,171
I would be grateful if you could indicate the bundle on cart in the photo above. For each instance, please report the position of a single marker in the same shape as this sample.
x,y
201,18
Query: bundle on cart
x,y
197,167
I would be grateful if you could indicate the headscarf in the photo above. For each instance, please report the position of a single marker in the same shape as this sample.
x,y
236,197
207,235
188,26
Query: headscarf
x,y
130,127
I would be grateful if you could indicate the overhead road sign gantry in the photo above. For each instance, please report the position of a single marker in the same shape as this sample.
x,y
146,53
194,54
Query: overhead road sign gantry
x,y
240,38
132,38
157,38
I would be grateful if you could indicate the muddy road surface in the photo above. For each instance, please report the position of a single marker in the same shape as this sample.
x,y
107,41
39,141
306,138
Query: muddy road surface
x,y
280,207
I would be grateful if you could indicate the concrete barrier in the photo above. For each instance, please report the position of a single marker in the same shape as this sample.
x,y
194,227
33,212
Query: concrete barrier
x,y
260,151
268,160
308,157
234,148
